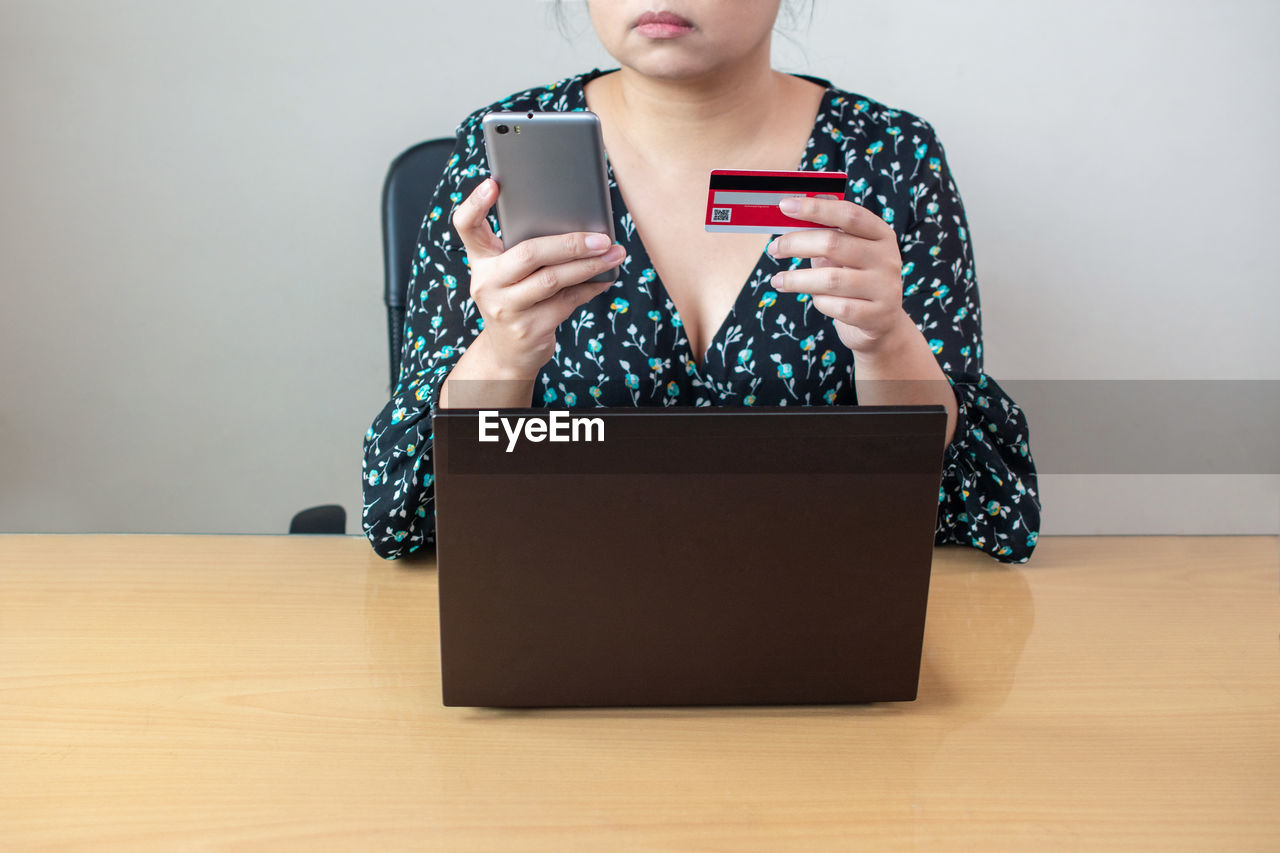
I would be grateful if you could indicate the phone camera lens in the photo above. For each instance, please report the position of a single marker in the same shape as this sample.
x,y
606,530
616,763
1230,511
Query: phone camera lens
x,y
502,128
530,115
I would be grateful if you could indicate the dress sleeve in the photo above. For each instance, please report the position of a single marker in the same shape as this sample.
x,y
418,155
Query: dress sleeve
x,y
440,321
989,497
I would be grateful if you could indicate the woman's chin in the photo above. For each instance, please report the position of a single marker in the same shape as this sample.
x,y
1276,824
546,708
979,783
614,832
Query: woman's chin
x,y
662,63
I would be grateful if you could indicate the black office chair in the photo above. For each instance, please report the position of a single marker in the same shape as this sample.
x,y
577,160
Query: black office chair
x,y
408,187
410,183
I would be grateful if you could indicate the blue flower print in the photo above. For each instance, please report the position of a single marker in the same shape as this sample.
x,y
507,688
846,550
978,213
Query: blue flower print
x,y
820,162
807,344
935,345
673,390
784,371
654,316
828,358
570,399
767,300
548,395
620,305
632,381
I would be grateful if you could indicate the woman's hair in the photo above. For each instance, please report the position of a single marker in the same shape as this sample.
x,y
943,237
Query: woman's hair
x,y
790,12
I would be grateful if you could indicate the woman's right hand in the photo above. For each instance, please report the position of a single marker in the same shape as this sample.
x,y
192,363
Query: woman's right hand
x,y
524,293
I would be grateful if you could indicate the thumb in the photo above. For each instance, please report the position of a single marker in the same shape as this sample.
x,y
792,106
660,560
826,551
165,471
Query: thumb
x,y
471,221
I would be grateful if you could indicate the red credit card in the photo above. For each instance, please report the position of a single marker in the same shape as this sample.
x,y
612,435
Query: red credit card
x,y
745,201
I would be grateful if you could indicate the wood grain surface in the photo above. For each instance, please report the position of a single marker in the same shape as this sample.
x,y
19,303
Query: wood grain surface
x,y
258,692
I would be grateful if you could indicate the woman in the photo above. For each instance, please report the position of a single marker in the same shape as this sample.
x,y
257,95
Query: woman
x,y
883,310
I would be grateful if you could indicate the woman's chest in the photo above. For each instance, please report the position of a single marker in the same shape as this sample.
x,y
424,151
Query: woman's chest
x,y
703,273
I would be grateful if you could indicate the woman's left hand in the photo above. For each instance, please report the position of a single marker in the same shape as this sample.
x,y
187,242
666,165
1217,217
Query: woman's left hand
x,y
856,278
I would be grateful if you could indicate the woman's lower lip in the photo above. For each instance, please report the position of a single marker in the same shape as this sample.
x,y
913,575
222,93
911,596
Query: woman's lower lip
x,y
662,31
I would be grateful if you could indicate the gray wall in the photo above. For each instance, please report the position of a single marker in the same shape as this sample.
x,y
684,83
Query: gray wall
x,y
191,325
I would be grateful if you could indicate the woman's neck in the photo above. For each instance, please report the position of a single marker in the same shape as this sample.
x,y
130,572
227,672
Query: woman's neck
x,y
720,117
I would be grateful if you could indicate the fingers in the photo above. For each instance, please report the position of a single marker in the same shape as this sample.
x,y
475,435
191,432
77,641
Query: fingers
x,y
836,246
852,312
848,217
547,282
529,256
571,298
540,321
841,282
470,220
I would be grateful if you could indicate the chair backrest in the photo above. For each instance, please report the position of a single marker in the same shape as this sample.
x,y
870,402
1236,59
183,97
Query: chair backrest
x,y
410,183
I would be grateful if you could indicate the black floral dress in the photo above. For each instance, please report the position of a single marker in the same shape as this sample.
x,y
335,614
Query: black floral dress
x,y
628,347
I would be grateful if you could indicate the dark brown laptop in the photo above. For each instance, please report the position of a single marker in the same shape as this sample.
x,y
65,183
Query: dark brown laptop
x,y
685,556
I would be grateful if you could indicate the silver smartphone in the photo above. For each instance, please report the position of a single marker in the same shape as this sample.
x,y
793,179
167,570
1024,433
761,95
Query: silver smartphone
x,y
552,175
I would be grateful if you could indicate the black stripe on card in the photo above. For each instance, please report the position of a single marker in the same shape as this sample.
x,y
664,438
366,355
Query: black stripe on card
x,y
777,183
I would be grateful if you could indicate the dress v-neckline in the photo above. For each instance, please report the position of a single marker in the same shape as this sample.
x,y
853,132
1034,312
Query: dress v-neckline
x,y
658,293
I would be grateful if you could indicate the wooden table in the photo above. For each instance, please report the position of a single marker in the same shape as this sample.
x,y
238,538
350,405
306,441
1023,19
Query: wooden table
x,y
163,692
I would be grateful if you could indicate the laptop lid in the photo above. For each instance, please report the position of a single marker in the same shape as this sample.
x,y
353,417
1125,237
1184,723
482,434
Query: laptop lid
x,y
684,556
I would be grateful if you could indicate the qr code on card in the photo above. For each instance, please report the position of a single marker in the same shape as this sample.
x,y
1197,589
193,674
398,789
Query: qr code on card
x,y
721,214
